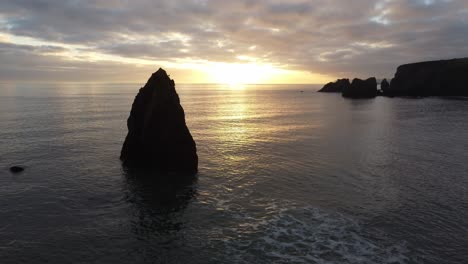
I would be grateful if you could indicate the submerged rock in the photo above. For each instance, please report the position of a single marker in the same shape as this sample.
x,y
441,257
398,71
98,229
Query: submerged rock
x,y
431,78
157,134
16,169
336,87
361,89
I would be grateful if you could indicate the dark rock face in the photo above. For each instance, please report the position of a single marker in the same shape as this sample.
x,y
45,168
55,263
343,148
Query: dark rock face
x,y
361,89
384,85
336,87
157,134
431,78
16,169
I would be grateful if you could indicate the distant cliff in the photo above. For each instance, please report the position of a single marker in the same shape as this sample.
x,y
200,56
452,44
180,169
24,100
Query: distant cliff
x,y
361,89
336,87
431,78
356,89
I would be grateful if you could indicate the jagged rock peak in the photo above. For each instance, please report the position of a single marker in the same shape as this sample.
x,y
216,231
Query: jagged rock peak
x,y
158,136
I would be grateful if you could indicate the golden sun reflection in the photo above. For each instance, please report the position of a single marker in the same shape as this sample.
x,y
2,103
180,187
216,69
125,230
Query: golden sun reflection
x,y
233,128
237,113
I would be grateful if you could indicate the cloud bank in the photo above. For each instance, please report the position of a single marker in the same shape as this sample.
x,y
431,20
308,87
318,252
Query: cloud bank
x,y
107,39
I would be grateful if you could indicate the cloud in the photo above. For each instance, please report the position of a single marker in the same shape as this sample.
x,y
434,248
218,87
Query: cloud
x,y
29,63
330,37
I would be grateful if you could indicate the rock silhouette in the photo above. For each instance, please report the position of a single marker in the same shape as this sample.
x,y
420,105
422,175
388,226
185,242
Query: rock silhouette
x,y
431,78
157,134
336,87
16,169
361,89
384,85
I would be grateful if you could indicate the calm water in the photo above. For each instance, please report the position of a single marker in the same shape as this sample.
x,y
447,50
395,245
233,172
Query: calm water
x,y
284,177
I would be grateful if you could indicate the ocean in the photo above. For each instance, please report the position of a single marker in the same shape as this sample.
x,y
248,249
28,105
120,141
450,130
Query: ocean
x,y
284,177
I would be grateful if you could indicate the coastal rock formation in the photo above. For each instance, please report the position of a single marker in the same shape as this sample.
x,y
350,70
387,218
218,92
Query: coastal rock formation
x,y
157,134
431,78
16,169
384,85
336,87
361,89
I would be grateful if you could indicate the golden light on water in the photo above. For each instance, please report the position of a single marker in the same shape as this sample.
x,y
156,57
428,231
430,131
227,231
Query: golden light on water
x,y
234,130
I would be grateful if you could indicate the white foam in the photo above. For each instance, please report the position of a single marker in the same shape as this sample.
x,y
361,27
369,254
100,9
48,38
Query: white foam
x,y
308,235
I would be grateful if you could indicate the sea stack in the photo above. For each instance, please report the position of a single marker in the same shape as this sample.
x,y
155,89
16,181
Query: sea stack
x,y
158,137
361,89
384,85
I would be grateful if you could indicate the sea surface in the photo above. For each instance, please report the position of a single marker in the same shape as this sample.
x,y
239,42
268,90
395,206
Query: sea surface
x,y
284,177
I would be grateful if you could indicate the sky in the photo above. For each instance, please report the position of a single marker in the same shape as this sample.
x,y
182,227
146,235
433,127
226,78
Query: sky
x,y
219,41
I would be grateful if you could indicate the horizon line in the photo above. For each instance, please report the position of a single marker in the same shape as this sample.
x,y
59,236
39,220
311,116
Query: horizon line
x,y
182,83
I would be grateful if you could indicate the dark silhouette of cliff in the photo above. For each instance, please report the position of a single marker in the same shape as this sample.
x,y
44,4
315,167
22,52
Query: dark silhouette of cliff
x,y
361,89
357,89
336,87
157,134
431,78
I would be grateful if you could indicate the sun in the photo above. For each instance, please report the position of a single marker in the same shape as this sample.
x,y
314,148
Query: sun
x,y
238,74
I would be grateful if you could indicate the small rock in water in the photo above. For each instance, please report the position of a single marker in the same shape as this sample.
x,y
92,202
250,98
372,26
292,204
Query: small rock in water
x,y
16,169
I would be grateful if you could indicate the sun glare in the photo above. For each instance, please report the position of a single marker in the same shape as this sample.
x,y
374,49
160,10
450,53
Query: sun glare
x,y
237,74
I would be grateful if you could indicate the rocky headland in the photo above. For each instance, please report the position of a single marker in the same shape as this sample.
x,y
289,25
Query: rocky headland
x,y
336,87
430,78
